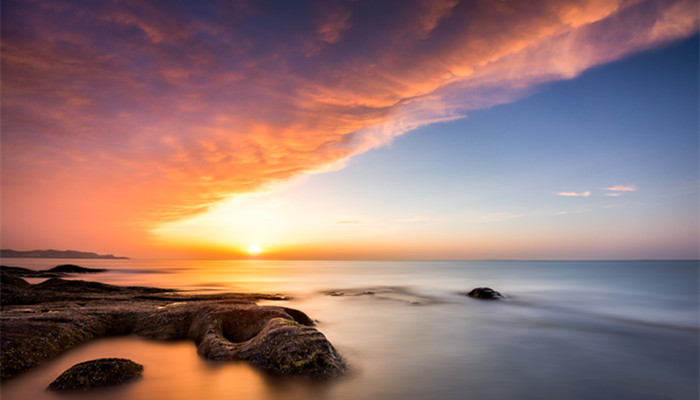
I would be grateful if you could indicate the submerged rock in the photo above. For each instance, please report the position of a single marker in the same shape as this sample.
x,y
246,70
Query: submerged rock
x,y
391,293
97,374
485,293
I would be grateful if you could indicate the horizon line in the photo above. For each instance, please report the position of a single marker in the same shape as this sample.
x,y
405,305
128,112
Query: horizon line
x,y
363,259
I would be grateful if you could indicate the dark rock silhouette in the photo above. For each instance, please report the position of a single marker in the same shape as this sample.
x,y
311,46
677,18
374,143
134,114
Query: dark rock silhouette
x,y
98,373
55,272
74,269
485,293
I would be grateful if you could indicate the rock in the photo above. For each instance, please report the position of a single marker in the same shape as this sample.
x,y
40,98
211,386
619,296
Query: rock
x,y
18,271
392,293
267,338
12,280
74,269
27,273
485,293
63,285
97,374
39,322
57,271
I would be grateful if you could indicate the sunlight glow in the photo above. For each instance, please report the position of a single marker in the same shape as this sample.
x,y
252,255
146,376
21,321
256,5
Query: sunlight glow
x,y
254,249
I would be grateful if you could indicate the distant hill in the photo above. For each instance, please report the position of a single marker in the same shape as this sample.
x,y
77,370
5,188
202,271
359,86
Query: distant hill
x,y
7,253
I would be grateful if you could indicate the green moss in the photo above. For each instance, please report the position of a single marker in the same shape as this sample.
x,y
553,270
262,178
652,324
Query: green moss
x,y
291,323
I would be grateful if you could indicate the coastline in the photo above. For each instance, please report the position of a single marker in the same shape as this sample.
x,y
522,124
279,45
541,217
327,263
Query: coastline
x,y
40,321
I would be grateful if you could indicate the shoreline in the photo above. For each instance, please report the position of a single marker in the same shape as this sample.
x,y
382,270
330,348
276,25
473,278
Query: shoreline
x,y
38,322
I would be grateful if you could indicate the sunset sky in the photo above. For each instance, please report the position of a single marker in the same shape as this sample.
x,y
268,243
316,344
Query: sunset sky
x,y
351,129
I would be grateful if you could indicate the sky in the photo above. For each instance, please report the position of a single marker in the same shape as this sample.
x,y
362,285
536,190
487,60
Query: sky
x,y
351,129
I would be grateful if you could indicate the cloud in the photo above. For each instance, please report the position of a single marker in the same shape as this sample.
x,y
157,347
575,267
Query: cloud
x,y
621,188
130,113
348,222
618,190
575,194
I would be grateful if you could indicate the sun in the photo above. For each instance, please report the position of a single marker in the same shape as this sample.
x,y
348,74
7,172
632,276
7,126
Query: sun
x,y
254,249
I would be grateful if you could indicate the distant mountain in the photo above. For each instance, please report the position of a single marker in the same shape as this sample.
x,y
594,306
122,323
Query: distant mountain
x,y
7,253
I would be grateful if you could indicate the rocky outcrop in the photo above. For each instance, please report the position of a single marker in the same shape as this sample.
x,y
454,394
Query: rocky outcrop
x,y
55,272
39,322
27,273
75,269
485,293
268,338
96,374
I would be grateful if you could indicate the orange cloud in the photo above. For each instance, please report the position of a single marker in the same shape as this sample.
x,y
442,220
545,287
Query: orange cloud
x,y
130,115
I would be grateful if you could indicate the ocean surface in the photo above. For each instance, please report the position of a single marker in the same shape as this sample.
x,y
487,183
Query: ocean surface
x,y
567,330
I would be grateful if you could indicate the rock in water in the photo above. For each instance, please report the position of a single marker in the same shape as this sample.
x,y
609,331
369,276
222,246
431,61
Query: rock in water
x,y
96,374
74,269
485,293
41,321
268,339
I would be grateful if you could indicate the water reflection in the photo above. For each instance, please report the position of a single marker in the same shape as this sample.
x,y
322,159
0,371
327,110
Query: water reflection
x,y
604,330
172,370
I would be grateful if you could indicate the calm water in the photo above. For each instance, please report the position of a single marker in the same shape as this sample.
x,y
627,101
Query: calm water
x,y
569,330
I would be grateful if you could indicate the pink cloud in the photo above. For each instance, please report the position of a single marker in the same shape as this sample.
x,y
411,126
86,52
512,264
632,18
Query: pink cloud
x,y
574,194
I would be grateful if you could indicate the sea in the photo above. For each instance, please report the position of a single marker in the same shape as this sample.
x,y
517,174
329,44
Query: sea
x,y
566,330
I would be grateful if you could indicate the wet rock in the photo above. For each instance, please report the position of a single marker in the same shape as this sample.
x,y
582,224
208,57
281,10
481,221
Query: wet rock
x,y
485,293
269,339
16,291
98,373
39,322
299,316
